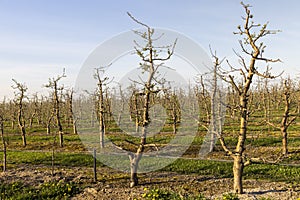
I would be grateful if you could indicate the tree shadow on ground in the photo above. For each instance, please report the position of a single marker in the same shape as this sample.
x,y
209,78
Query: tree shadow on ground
x,y
266,192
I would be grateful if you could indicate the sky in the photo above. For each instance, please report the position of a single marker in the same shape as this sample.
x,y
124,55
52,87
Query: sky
x,y
39,38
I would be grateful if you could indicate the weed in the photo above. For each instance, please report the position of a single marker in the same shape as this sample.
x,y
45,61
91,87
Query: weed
x,y
52,190
157,194
160,194
230,196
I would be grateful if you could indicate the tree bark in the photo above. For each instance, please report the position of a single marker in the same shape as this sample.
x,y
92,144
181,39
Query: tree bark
x,y
174,114
255,52
284,142
148,55
61,138
100,106
134,162
53,84
135,108
49,125
60,135
23,136
22,124
4,156
12,124
101,119
238,168
48,129
285,122
75,126
4,146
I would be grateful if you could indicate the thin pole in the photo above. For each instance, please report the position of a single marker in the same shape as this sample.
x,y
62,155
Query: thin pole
x,y
95,165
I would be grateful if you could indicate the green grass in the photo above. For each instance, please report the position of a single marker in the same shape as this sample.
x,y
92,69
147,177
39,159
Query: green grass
x,y
273,172
73,154
185,166
201,167
52,190
224,170
163,194
45,158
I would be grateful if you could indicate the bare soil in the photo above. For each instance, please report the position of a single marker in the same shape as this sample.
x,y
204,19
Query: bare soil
x,y
113,185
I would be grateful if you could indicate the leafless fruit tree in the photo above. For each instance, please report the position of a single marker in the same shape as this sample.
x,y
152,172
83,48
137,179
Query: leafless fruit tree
x,y
100,102
3,139
56,100
151,62
20,90
254,49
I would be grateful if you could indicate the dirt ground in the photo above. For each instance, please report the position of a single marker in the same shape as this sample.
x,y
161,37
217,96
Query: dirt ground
x,y
114,185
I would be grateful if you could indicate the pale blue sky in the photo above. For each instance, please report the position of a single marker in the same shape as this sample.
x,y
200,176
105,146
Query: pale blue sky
x,y
38,38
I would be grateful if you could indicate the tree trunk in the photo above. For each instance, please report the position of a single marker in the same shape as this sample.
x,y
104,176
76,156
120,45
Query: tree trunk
x,y
52,159
60,131
92,119
74,127
4,147
12,124
48,129
4,156
174,113
30,122
133,171
238,167
119,118
23,133
134,163
22,125
284,142
285,122
137,127
102,138
174,127
102,128
136,113
238,163
101,111
214,110
61,138
39,121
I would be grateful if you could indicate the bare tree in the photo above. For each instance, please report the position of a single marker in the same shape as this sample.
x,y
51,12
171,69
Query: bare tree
x,y
108,108
287,118
69,105
151,62
286,121
203,100
173,108
33,109
217,109
53,84
135,108
47,112
19,101
3,139
100,103
38,105
122,105
254,50
12,110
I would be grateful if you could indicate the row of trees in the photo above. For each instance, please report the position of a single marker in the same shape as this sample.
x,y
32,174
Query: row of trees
x,y
242,98
277,104
251,93
44,111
